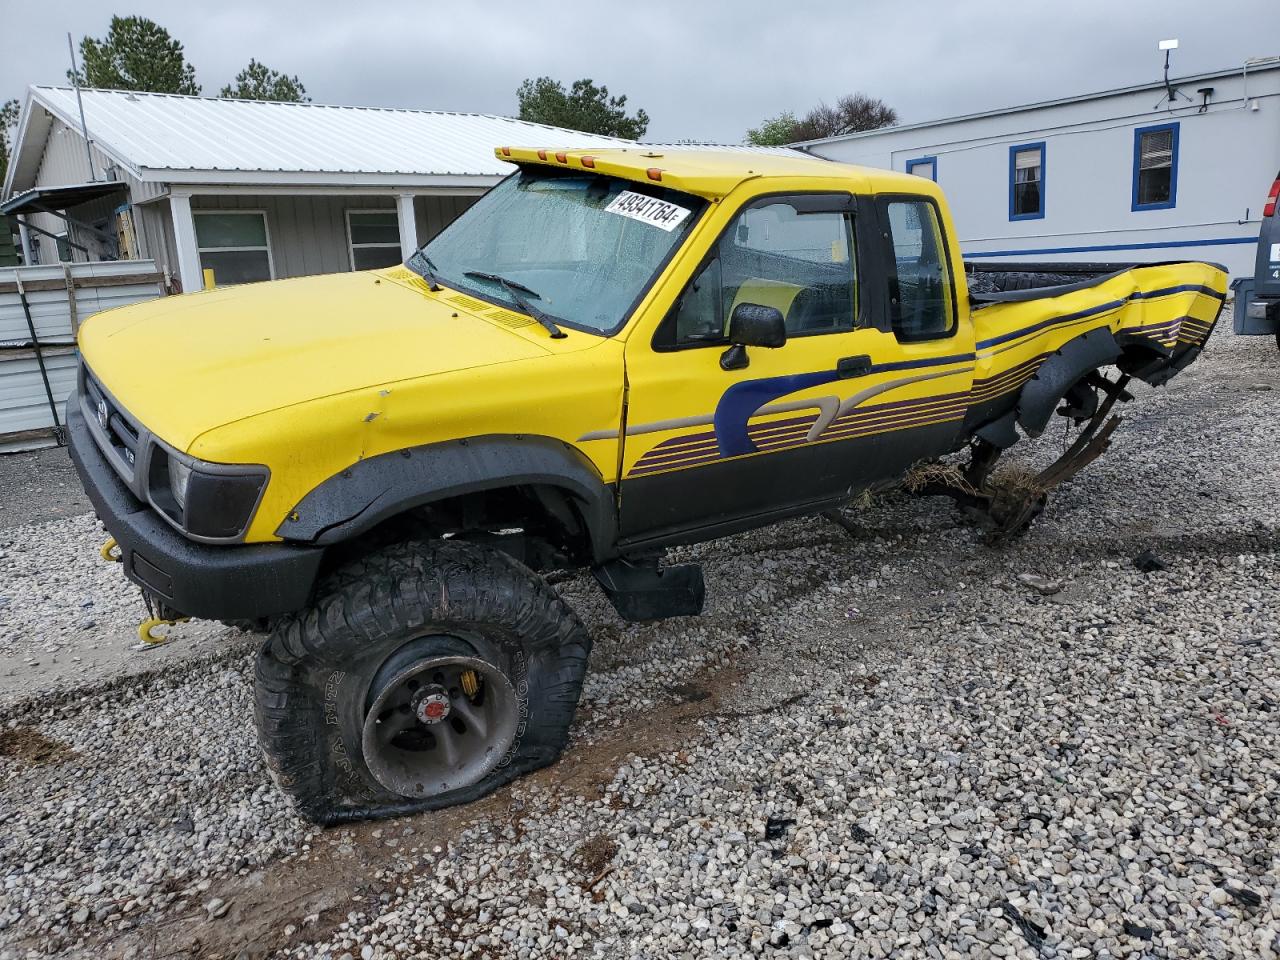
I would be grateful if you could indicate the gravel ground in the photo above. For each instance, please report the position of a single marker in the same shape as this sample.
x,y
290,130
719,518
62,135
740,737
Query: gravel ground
x,y
39,486
896,742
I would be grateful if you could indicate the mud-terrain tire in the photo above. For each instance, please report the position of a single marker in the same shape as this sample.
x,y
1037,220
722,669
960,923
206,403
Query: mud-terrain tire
x,y
325,669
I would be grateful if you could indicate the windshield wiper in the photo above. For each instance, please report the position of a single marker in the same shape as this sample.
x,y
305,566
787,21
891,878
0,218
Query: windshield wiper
x,y
421,264
513,288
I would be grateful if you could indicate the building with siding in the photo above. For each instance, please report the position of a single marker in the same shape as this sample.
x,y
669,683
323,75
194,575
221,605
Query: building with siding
x,y
1143,173
244,189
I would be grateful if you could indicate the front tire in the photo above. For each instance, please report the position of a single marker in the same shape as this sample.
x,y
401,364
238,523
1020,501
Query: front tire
x,y
425,675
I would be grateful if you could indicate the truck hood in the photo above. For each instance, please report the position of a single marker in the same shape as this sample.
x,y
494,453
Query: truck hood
x,y
184,365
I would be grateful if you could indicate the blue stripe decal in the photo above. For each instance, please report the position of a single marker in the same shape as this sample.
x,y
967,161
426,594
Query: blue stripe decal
x,y
1052,321
1102,308
927,362
1100,248
741,400
1185,288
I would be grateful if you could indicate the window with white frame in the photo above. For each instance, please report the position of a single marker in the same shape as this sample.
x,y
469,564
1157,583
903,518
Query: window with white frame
x,y
234,244
374,239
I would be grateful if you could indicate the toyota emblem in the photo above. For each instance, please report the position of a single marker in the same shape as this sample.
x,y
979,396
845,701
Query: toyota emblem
x,y
103,416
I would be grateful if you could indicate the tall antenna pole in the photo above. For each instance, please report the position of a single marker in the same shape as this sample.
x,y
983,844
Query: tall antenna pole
x,y
84,128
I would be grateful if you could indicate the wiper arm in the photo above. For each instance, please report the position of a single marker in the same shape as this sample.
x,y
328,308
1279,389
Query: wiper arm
x,y
513,288
481,275
421,264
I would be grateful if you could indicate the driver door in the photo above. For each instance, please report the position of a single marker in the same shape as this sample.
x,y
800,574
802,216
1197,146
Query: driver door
x,y
810,423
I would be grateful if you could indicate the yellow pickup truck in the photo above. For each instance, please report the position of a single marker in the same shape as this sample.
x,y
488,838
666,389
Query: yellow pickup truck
x,y
612,352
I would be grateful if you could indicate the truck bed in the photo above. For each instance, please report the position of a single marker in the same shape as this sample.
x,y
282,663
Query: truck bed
x,y
991,282
1150,320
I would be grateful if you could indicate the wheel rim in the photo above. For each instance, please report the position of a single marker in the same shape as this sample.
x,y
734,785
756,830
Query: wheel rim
x,y
439,724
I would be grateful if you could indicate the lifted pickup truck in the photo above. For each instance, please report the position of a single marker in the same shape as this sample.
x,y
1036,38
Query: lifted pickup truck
x,y
612,352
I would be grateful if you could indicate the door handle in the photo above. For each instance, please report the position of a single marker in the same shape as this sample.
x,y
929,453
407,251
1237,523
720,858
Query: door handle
x,y
850,367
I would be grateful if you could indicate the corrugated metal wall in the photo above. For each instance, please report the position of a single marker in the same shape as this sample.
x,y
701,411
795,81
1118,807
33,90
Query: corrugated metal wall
x,y
308,235
24,406
155,235
435,213
64,162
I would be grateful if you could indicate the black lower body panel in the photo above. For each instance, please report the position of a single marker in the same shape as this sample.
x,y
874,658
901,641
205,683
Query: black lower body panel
x,y
740,493
236,582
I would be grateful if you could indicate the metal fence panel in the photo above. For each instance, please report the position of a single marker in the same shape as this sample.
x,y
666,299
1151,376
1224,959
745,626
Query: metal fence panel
x,y
25,417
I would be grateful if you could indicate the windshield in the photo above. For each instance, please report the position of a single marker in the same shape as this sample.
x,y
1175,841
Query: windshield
x,y
578,246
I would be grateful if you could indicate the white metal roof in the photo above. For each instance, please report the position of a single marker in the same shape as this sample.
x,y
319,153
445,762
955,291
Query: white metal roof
x,y
166,137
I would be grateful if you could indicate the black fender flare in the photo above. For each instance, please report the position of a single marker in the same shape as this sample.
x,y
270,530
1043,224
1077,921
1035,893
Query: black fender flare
x,y
1073,360
373,490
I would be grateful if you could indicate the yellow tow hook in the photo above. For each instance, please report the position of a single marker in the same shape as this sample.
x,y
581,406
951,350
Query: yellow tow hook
x,y
149,638
111,551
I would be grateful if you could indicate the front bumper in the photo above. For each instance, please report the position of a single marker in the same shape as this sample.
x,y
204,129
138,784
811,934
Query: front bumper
x,y
215,582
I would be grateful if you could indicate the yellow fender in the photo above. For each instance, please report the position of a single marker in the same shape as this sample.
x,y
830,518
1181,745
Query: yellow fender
x,y
111,551
152,639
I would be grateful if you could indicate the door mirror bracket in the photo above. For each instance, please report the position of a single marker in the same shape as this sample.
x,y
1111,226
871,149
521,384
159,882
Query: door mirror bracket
x,y
752,325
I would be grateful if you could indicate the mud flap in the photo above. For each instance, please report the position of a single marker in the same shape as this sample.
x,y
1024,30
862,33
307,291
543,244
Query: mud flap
x,y
641,590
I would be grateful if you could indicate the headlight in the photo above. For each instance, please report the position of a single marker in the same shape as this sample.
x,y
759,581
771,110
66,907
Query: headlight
x,y
179,478
206,501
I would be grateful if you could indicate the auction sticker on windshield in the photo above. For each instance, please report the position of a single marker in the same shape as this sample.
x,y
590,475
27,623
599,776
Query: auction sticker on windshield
x,y
650,210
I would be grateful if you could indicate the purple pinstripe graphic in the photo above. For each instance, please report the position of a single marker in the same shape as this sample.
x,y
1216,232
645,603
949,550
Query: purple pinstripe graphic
x,y
701,448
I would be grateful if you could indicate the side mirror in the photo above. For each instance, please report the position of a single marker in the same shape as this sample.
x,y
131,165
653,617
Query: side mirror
x,y
752,325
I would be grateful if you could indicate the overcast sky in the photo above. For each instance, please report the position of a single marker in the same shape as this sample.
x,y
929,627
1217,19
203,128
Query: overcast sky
x,y
702,70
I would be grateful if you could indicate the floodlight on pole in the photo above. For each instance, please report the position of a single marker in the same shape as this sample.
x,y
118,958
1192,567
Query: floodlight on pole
x,y
1168,46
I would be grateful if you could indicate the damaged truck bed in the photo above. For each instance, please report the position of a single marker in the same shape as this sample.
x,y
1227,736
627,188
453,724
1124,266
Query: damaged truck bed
x,y
1043,335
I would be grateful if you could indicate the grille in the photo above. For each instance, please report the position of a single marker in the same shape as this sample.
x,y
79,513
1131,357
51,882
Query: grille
x,y
121,434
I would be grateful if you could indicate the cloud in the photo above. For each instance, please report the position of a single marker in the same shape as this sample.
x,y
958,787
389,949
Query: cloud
x,y
701,70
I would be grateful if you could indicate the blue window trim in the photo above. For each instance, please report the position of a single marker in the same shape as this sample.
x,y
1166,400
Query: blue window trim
x,y
1173,169
921,161
1013,153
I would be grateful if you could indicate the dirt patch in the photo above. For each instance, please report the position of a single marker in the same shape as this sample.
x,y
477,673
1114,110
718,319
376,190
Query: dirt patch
x,y
596,854
28,745
314,892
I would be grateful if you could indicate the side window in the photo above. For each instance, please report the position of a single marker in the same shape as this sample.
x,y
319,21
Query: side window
x,y
926,167
698,312
234,245
921,299
1026,182
1155,167
780,255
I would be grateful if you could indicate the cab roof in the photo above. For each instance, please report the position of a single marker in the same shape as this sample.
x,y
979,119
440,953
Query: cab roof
x,y
708,173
